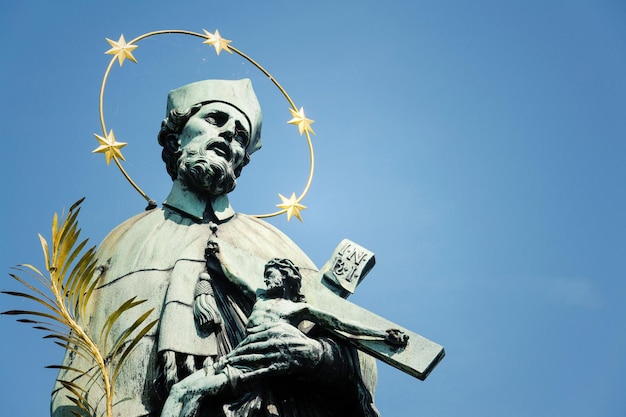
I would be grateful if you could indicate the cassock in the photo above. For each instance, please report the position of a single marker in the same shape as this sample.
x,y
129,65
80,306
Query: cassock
x,y
158,256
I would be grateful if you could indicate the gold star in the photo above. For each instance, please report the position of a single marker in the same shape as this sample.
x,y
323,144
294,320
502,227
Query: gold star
x,y
121,50
291,205
109,147
217,41
304,124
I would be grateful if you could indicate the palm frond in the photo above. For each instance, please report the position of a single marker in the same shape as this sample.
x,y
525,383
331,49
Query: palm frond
x,y
93,378
76,283
34,298
48,329
67,241
44,246
31,313
71,341
32,287
84,301
79,397
69,284
73,348
129,331
67,263
37,274
108,324
130,348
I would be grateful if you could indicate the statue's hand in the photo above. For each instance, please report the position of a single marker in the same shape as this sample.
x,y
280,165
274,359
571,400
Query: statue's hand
x,y
273,349
396,337
186,396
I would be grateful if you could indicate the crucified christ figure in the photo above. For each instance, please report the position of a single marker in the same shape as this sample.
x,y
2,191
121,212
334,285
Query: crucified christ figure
x,y
282,301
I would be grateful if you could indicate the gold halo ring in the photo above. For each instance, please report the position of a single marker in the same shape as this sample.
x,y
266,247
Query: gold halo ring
x,y
122,50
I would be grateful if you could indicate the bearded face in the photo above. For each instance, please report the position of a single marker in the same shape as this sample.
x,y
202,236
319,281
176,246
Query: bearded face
x,y
213,145
206,171
274,283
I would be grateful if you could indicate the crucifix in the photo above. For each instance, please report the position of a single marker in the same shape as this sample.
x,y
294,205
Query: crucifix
x,y
283,301
327,290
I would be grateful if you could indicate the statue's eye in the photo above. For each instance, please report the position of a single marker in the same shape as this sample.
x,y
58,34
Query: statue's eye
x,y
216,118
241,134
242,137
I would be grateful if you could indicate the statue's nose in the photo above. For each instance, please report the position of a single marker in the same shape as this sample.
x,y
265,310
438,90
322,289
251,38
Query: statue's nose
x,y
228,135
229,130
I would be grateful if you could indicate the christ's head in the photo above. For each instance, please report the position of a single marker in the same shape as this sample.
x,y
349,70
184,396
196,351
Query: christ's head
x,y
283,280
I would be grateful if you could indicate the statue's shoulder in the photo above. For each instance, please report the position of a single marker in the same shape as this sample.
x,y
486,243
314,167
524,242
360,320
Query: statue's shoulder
x,y
261,239
152,232
135,225
145,216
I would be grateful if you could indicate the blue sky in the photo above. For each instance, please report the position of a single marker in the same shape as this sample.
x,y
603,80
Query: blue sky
x,y
476,147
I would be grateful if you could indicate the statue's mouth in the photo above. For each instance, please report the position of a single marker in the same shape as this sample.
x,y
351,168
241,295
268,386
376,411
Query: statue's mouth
x,y
221,149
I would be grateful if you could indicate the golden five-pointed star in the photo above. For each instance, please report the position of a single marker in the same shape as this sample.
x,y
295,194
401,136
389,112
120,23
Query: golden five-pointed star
x,y
291,205
121,50
304,124
109,147
217,41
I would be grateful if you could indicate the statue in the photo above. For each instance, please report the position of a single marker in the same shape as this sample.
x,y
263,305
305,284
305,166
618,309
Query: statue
x,y
283,301
210,130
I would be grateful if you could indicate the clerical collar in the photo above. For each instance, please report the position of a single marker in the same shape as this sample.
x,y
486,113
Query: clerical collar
x,y
198,207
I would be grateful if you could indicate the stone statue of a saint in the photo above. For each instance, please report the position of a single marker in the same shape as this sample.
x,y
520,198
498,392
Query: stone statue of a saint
x,y
210,130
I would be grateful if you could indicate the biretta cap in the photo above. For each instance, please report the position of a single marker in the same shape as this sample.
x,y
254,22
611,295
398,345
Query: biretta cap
x,y
237,93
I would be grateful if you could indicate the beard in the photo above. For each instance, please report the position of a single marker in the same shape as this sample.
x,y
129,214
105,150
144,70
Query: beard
x,y
275,290
205,171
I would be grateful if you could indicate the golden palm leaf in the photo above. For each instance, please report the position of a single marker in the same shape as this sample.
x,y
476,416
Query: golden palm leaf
x,y
65,292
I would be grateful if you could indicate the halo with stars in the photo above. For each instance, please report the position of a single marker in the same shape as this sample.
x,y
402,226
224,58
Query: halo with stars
x,y
111,148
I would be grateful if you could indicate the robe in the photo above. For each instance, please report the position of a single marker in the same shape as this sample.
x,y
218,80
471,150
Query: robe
x,y
157,256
